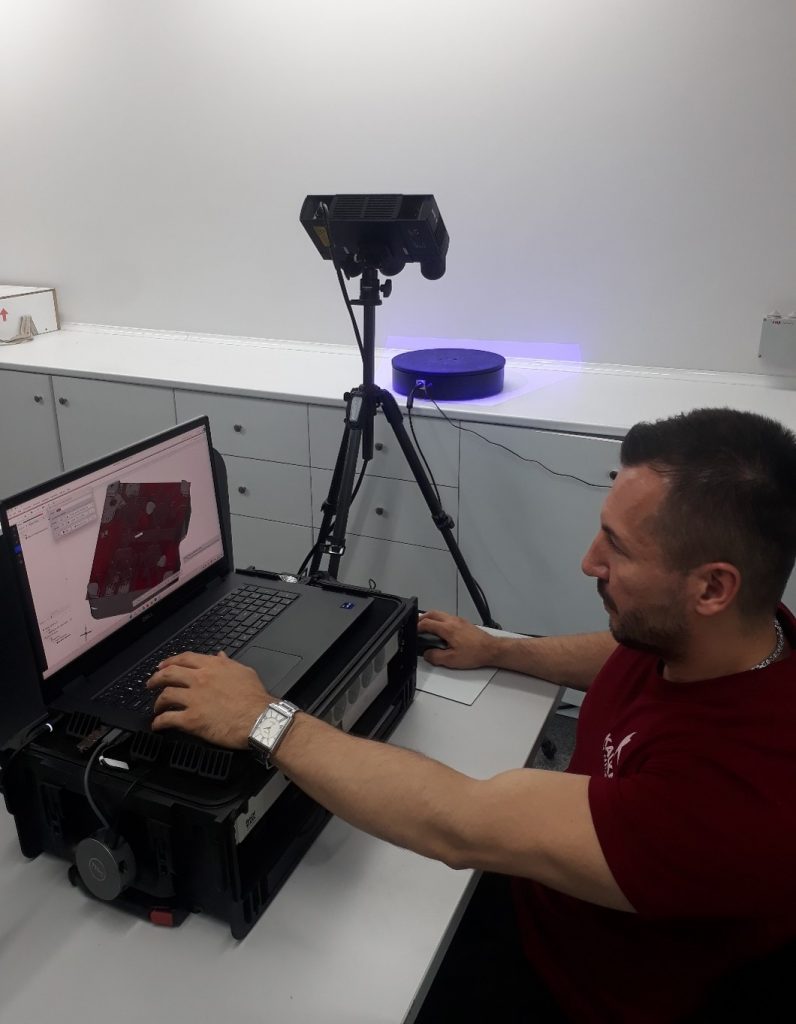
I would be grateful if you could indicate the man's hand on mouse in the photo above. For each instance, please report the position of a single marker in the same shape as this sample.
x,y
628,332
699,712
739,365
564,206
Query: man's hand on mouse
x,y
210,696
468,646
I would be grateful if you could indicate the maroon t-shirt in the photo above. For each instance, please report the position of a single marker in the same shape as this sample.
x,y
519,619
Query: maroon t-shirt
x,y
693,797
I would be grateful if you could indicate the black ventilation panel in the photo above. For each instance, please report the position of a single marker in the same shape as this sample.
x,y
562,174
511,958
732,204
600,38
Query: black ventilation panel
x,y
146,746
366,207
81,725
207,762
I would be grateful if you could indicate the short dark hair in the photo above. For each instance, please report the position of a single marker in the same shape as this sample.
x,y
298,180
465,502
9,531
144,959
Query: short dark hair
x,y
732,496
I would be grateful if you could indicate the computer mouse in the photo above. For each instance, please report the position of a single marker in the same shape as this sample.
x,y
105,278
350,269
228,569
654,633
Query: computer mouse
x,y
430,641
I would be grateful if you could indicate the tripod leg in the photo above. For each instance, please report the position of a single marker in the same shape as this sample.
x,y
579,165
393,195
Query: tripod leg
x,y
442,520
338,500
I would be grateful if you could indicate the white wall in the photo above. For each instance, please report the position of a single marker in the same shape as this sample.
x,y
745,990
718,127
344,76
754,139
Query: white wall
x,y
615,174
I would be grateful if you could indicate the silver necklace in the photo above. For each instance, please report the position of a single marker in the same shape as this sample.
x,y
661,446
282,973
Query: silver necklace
x,y
780,647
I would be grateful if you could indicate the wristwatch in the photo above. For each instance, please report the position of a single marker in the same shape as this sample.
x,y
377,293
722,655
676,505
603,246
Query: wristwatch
x,y
269,730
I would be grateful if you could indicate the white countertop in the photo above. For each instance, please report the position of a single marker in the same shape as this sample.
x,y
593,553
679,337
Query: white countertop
x,y
578,397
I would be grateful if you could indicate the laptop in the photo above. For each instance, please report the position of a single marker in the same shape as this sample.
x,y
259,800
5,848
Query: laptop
x,y
125,561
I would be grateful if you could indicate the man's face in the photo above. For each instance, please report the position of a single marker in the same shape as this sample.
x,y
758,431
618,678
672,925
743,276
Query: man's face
x,y
645,600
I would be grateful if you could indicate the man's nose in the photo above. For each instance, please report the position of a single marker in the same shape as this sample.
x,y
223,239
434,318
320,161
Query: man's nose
x,y
593,564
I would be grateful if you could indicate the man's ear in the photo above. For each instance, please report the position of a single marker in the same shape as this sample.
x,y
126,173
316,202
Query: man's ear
x,y
715,587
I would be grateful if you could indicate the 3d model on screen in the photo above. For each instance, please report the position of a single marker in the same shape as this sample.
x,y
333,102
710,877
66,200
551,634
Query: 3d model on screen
x,y
138,545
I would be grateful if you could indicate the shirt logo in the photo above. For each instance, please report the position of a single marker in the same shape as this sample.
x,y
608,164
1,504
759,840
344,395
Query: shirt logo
x,y
611,754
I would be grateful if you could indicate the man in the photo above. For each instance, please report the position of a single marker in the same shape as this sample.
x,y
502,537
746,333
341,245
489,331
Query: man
x,y
666,854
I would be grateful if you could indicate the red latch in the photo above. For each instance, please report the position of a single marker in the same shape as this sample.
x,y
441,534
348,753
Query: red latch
x,y
161,916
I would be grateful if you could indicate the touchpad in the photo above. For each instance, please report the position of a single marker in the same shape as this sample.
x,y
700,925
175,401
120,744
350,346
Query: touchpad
x,y
270,666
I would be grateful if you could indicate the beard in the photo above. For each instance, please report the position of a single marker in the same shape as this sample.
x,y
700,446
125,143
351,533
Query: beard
x,y
658,628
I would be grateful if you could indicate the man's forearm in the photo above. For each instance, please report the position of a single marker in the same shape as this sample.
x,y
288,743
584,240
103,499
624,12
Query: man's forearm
x,y
567,660
395,794
532,823
536,824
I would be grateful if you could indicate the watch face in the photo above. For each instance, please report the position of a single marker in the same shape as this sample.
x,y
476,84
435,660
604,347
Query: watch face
x,y
270,728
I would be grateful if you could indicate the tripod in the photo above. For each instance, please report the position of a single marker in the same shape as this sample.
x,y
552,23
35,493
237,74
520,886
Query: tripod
x,y
361,406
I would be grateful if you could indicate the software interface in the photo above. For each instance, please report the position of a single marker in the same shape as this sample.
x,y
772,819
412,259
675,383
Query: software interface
x,y
103,548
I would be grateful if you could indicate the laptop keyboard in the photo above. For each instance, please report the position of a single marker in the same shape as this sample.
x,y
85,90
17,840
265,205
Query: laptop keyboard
x,y
227,626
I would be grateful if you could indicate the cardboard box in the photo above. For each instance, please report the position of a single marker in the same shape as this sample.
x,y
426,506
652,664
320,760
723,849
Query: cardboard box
x,y
26,312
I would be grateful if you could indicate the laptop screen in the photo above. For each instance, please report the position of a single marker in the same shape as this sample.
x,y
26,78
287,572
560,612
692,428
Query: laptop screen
x,y
101,547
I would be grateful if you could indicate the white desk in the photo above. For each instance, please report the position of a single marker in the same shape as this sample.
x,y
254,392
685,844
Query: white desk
x,y
354,937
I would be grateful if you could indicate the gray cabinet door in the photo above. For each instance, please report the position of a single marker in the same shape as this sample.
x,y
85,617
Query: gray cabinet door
x,y
250,428
437,439
269,490
277,547
387,509
96,417
403,569
524,531
29,452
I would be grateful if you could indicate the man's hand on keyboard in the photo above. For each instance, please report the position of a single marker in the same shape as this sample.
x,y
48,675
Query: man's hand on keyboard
x,y
210,696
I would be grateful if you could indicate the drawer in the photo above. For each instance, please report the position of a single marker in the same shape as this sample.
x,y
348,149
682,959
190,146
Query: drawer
x,y
255,428
279,547
96,417
269,490
388,509
401,569
438,440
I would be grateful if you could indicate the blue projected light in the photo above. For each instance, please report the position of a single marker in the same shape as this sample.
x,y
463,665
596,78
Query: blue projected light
x,y
451,374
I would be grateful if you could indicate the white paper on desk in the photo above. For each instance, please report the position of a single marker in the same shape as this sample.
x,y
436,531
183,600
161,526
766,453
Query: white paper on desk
x,y
461,684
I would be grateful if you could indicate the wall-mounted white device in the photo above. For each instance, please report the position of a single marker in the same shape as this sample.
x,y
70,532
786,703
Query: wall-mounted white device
x,y
778,341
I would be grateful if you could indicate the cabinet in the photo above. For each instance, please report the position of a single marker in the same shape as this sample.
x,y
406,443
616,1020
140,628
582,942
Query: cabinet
x,y
265,445
97,416
271,513
391,537
269,490
405,569
439,442
252,428
388,510
524,531
280,547
29,451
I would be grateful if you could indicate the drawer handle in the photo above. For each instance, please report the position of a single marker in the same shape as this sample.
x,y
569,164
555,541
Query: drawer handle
x,y
238,428
38,398
379,510
379,446
63,401
243,490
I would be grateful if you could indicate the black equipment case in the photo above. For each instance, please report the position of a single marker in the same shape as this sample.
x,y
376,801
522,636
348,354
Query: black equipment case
x,y
195,827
